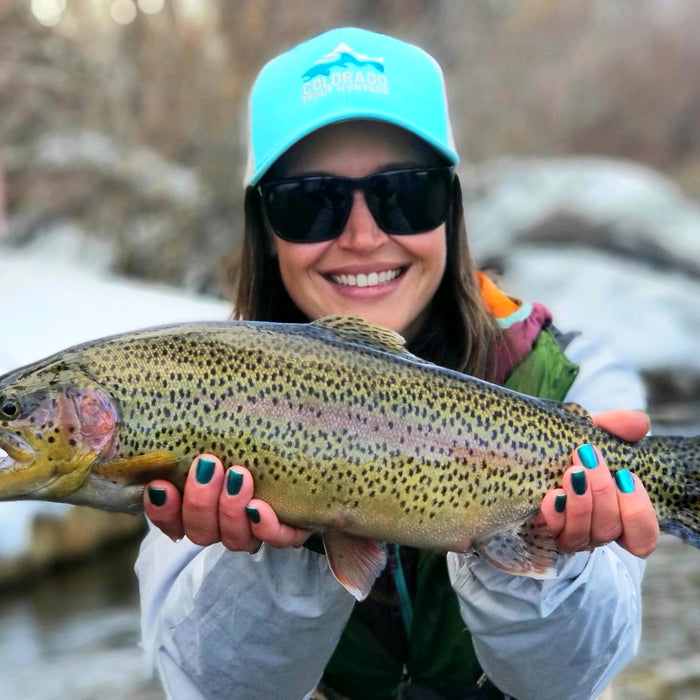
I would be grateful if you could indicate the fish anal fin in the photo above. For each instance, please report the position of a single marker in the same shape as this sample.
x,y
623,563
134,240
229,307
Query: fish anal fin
x,y
355,562
524,550
141,469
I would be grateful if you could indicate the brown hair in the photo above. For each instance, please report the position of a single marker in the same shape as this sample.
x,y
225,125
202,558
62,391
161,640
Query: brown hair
x,y
459,333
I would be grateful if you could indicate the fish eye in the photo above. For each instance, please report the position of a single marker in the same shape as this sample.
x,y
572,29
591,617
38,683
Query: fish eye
x,y
9,407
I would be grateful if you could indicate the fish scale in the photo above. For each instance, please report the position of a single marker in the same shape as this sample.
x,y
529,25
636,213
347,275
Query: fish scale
x,y
343,430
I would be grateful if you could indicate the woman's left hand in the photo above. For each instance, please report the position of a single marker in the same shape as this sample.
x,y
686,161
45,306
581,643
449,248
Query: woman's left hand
x,y
594,508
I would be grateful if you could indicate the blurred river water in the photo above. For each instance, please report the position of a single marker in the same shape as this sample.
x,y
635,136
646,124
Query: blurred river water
x,y
74,633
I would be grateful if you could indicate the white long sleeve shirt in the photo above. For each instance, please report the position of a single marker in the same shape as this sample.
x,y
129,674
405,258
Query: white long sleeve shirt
x,y
221,624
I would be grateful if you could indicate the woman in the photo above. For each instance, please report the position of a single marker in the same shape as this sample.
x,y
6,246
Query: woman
x,y
352,206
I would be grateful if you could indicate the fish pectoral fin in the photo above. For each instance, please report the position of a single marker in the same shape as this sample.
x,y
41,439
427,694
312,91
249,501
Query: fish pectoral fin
x,y
139,469
525,550
355,562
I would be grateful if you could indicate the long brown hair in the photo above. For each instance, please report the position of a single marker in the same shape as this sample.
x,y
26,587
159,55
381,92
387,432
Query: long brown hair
x,y
459,333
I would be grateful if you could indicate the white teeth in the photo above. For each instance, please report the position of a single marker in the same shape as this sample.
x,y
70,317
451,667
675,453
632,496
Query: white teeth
x,y
370,280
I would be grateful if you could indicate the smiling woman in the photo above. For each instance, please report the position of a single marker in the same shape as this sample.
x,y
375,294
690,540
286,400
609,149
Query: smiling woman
x,y
333,276
352,206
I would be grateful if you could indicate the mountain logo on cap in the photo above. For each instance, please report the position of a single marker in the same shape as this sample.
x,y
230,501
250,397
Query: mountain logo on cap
x,y
344,70
342,57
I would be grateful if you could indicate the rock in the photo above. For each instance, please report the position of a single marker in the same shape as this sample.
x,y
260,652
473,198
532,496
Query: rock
x,y
146,212
56,538
77,534
613,248
629,205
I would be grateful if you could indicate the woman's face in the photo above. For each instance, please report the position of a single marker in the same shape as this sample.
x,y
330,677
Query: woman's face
x,y
388,280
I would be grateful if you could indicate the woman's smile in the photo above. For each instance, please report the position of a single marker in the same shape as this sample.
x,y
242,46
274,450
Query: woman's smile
x,y
365,279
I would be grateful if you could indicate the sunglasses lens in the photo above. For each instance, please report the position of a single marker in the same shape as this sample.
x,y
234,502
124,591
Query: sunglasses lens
x,y
316,208
307,210
410,201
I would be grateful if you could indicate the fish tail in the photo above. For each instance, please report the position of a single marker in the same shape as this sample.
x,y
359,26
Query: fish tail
x,y
677,469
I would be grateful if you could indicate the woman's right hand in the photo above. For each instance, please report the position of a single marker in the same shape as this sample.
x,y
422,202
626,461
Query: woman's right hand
x,y
217,505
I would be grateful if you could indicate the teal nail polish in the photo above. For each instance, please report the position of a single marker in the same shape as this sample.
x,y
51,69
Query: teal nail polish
x,y
560,503
588,457
234,481
253,514
624,481
578,481
156,496
205,470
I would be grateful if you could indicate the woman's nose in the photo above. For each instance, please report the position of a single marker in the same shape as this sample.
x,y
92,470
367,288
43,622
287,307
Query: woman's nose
x,y
361,231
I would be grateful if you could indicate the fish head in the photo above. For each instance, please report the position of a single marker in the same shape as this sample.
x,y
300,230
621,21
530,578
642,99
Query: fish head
x,y
53,429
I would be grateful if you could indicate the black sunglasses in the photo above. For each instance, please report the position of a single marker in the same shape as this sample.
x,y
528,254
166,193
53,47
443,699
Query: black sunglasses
x,y
314,208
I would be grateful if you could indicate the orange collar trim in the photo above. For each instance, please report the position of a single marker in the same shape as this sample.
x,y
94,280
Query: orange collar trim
x,y
499,305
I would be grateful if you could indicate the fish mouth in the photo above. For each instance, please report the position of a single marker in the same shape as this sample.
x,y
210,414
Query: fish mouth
x,y
15,452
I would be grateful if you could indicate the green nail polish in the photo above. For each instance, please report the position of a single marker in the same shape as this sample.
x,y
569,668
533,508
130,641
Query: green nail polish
x,y
205,470
578,481
588,456
624,481
234,481
560,503
253,514
156,496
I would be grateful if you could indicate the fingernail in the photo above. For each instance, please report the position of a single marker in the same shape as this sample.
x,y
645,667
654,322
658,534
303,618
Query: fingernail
x,y
156,496
624,481
560,503
205,470
234,481
588,457
253,514
578,481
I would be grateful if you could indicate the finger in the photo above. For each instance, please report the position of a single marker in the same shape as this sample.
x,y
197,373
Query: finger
x,y
234,523
640,526
266,526
200,501
552,511
628,425
606,523
162,503
579,509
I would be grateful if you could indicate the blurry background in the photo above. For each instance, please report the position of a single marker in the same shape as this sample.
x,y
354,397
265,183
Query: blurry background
x,y
122,147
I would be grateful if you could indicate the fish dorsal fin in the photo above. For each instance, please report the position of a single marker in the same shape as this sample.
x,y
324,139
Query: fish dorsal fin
x,y
526,549
356,330
355,562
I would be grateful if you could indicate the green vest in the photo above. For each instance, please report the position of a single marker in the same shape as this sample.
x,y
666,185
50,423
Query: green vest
x,y
436,651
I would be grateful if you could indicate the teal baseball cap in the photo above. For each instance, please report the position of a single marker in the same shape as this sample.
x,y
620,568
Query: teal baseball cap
x,y
345,74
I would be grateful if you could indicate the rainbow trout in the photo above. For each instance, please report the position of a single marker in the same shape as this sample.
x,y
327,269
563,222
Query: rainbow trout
x,y
344,431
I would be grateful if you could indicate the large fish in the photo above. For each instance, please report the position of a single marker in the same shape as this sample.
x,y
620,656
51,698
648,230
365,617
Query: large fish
x,y
344,431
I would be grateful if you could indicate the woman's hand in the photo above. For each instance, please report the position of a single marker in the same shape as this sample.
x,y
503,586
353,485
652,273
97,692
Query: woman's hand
x,y
594,508
218,506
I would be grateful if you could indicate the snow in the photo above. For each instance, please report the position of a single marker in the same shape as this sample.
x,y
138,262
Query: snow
x,y
49,303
